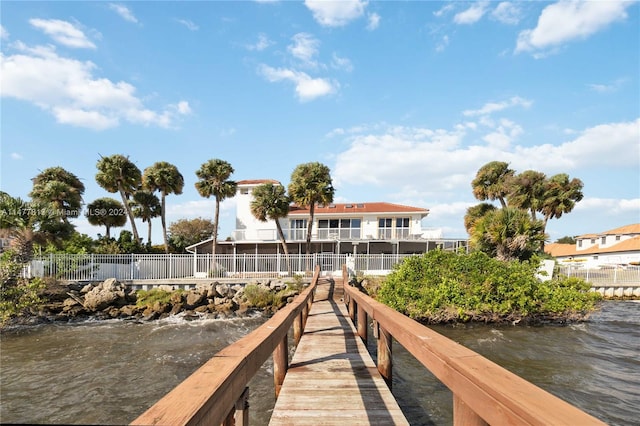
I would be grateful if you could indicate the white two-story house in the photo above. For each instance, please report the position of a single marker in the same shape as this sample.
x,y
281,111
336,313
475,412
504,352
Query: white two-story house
x,y
340,228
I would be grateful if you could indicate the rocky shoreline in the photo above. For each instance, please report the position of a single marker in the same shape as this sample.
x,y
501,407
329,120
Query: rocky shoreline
x,y
110,299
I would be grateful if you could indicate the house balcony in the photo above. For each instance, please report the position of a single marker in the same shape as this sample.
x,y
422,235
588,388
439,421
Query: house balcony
x,y
324,234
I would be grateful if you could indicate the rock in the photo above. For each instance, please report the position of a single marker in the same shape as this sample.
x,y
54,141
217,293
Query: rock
x,y
223,290
69,302
160,307
86,289
202,309
129,310
165,287
110,284
194,299
176,298
98,298
176,308
220,301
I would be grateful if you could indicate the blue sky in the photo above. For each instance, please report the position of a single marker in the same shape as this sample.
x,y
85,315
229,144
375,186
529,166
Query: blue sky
x,y
404,101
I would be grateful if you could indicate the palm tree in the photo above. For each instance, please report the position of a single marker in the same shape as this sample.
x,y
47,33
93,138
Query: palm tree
x,y
61,188
146,206
106,212
166,178
527,191
117,174
311,184
508,234
29,223
492,182
270,202
475,213
560,196
214,181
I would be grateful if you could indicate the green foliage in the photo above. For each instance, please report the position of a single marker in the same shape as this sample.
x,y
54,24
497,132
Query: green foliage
x,y
153,296
566,240
185,232
260,297
16,293
446,286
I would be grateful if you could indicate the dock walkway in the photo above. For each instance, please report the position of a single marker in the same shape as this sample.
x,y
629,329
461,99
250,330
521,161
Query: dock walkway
x,y
332,379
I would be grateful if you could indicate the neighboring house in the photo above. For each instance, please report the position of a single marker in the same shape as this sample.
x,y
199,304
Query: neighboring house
x,y
5,240
620,246
341,228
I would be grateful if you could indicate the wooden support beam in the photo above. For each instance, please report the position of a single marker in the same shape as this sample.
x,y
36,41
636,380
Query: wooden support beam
x,y
298,328
385,361
242,409
463,415
362,324
352,310
280,364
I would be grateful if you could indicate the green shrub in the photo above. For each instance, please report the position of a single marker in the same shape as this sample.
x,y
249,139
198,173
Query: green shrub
x,y
258,296
16,293
446,286
150,297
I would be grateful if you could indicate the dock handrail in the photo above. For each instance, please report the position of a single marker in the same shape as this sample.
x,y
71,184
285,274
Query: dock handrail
x,y
483,392
211,394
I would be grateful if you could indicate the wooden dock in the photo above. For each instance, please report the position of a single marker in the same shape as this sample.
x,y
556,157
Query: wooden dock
x,y
332,379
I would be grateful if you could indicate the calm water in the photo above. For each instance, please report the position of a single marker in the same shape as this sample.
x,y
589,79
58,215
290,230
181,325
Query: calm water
x,y
110,372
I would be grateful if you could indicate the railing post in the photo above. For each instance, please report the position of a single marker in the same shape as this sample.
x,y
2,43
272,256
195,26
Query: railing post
x,y
297,328
385,361
242,409
362,324
352,309
463,415
280,364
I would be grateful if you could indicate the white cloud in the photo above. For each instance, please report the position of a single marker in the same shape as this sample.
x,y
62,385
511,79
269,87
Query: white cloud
x,y
492,107
507,13
305,49
262,43
609,205
189,24
608,88
124,12
307,88
442,44
4,34
341,63
444,10
473,14
568,20
336,13
374,21
63,32
16,156
67,88
182,107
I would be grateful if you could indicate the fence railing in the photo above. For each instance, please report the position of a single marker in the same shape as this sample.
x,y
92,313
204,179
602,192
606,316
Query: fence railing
x,y
95,267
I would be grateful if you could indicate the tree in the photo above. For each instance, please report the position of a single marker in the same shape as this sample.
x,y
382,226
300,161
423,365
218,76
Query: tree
x,y
61,188
214,181
492,182
560,196
29,223
508,234
474,213
106,212
185,232
166,178
145,205
528,191
270,202
311,184
117,174
566,240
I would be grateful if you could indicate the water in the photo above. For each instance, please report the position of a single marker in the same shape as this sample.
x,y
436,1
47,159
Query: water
x,y
110,372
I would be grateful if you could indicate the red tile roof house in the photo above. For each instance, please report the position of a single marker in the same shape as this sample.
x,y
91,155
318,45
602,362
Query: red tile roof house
x,y
340,228
620,246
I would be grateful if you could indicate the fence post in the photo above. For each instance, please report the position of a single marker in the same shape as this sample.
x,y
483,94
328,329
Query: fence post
x,y
385,362
362,324
280,364
297,328
463,415
242,409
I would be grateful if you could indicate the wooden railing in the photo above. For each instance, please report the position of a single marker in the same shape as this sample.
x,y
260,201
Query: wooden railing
x,y
483,392
216,393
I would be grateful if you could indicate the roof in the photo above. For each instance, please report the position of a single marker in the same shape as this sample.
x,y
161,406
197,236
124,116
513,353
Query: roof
x,y
560,250
256,181
358,208
634,228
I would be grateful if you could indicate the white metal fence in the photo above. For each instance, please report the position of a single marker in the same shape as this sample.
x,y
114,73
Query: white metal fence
x,y
94,267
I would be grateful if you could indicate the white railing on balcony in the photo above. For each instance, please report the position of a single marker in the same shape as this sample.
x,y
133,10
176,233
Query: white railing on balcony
x,y
343,234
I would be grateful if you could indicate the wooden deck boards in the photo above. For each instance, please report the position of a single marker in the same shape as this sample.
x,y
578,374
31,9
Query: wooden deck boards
x,y
332,379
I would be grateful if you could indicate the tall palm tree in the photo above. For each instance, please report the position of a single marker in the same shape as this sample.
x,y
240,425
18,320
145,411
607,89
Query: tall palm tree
x,y
560,196
61,188
117,173
527,191
311,184
106,212
214,181
166,178
492,182
146,206
475,213
270,202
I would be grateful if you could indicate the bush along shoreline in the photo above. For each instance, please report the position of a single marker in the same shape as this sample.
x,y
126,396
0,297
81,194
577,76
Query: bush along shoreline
x,y
446,287
110,299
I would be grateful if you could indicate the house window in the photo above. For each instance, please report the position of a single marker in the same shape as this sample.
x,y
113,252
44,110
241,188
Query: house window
x,y
402,227
385,228
603,240
339,228
617,237
593,241
579,243
244,191
595,257
298,229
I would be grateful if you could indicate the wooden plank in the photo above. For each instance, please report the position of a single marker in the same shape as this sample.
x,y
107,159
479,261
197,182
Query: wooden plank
x,y
332,379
